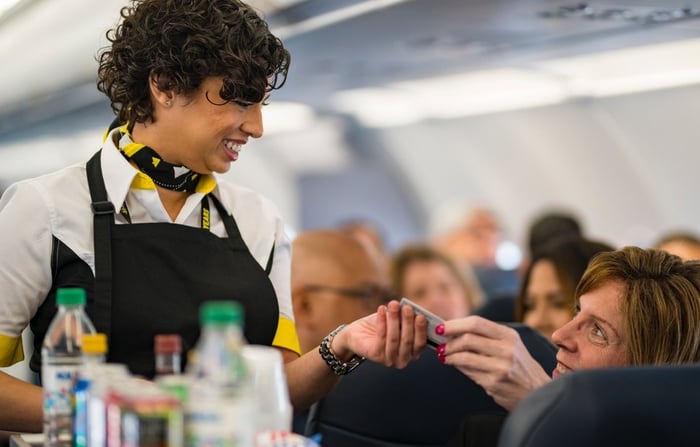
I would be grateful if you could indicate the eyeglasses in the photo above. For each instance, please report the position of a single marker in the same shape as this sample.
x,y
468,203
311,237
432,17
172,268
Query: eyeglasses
x,y
369,292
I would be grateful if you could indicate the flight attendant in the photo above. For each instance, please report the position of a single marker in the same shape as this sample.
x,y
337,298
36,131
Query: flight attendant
x,y
148,229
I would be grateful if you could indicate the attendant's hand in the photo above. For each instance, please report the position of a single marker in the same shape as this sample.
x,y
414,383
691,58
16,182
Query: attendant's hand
x,y
393,336
494,356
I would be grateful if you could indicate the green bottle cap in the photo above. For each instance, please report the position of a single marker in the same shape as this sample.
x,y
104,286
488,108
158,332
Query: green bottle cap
x,y
70,296
221,312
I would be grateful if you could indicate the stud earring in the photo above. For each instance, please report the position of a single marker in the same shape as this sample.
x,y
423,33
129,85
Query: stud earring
x,y
168,103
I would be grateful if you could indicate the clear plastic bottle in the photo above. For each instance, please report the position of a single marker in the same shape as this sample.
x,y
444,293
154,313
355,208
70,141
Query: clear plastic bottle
x,y
220,408
62,357
168,352
94,356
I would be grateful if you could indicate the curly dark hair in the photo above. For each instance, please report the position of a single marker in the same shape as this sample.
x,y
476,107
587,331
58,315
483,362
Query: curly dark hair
x,y
180,43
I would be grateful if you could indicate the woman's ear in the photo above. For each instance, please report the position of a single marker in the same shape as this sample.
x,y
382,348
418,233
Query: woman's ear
x,y
161,91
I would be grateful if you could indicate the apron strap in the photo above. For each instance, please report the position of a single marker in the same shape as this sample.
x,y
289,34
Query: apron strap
x,y
234,235
268,267
103,219
235,239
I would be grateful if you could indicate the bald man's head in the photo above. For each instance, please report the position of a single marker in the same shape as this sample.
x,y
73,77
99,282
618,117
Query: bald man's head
x,y
329,252
334,280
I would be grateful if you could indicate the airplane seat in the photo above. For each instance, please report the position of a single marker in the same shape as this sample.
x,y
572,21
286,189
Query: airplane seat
x,y
420,405
635,406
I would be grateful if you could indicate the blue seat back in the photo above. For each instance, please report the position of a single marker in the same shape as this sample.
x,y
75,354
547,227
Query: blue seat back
x,y
640,407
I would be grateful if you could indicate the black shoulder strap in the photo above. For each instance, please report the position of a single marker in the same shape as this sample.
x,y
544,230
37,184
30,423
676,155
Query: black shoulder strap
x,y
103,218
268,267
235,239
234,234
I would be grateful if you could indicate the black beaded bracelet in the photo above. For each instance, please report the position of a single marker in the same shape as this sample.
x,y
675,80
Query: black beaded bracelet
x,y
338,367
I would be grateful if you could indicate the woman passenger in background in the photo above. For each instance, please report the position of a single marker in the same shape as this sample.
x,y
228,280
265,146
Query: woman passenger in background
x,y
432,280
546,299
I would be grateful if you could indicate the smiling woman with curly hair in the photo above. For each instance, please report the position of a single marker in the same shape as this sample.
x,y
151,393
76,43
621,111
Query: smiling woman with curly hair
x,y
222,39
148,230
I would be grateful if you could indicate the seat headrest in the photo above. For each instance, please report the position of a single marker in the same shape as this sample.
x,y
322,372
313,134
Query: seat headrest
x,y
635,406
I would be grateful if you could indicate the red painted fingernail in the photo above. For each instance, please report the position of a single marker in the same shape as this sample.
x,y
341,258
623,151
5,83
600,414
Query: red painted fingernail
x,y
441,358
441,349
440,329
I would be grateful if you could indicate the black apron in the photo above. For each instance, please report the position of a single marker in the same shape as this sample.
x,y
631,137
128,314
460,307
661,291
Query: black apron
x,y
155,280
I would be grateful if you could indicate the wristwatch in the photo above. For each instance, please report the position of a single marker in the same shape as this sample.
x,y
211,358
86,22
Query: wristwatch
x,y
338,367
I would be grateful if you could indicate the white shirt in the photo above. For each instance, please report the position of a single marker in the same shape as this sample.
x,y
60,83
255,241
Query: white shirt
x,y
34,211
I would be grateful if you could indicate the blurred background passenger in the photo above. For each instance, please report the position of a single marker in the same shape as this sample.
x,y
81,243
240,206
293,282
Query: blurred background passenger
x,y
364,230
550,225
546,299
470,236
335,280
685,244
368,233
432,280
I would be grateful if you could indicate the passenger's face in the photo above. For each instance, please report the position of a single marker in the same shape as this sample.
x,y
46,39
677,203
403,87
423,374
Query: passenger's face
x,y
432,284
545,307
595,337
337,297
206,136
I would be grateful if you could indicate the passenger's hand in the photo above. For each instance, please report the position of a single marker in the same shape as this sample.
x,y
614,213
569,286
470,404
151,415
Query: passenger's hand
x,y
494,356
393,336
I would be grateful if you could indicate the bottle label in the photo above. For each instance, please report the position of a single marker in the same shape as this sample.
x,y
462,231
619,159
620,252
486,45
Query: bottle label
x,y
80,415
58,382
153,422
226,423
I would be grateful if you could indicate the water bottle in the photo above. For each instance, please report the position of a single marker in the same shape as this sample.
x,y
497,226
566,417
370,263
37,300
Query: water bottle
x,y
220,408
94,356
61,357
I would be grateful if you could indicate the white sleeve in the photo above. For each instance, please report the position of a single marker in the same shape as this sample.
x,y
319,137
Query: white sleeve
x,y
25,252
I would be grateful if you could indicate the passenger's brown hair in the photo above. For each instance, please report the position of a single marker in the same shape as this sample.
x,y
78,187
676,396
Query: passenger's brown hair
x,y
660,303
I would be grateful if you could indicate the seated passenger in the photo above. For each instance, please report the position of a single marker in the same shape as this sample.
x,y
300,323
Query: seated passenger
x,y
470,235
550,225
546,298
431,280
680,243
634,307
335,280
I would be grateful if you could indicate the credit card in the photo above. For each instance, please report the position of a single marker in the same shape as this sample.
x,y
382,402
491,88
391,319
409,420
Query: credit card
x,y
433,320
